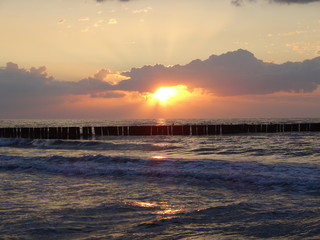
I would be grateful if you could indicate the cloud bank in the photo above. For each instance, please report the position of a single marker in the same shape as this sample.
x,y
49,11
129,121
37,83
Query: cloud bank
x,y
233,73
230,74
21,88
237,73
15,81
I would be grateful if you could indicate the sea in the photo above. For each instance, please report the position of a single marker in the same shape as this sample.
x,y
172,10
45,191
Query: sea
x,y
237,186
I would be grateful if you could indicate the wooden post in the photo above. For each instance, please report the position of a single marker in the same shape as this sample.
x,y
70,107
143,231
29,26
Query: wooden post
x,y
87,132
98,131
53,133
74,133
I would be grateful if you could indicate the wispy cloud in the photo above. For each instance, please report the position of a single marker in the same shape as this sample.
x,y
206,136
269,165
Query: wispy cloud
x,y
112,21
143,10
62,21
85,19
304,47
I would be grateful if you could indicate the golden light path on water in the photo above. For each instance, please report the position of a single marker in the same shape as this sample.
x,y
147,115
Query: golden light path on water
x,y
166,211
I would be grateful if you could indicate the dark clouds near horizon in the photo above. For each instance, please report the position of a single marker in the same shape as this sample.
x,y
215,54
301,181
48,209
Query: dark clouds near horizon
x,y
230,74
20,88
240,2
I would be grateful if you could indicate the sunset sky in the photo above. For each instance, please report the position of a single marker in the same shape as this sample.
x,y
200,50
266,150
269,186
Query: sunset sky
x,y
107,58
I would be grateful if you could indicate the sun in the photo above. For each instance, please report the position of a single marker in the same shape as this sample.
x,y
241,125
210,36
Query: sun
x,y
165,95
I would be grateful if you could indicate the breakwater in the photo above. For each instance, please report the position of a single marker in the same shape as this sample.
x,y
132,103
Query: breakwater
x,y
187,130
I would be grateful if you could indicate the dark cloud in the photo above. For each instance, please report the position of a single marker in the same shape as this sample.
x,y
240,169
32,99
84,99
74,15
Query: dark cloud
x,y
240,2
229,74
108,94
89,86
20,87
233,73
15,81
295,1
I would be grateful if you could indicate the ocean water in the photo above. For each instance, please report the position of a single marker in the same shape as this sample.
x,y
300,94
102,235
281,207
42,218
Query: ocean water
x,y
243,186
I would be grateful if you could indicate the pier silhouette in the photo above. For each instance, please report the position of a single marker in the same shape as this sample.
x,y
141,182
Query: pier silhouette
x,y
90,132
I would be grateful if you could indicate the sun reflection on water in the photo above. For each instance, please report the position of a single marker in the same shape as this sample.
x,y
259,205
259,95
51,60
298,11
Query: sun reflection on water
x,y
162,211
161,121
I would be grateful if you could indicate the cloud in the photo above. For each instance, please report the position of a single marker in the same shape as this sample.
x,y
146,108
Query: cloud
x,y
295,1
230,74
305,47
108,94
32,93
112,21
85,19
20,87
61,21
240,2
27,91
143,10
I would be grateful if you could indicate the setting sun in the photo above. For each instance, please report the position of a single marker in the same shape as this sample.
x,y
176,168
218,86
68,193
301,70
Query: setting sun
x,y
165,95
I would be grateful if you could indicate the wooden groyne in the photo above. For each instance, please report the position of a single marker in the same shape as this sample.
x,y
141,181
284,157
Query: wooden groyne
x,y
174,130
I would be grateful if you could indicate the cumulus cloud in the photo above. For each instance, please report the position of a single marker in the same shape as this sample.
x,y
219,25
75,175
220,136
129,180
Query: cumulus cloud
x,y
230,74
240,2
21,87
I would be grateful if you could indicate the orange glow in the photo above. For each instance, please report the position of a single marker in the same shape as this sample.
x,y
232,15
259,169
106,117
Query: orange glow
x,y
166,95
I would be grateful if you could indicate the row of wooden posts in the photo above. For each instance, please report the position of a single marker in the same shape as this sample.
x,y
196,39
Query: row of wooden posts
x,y
196,130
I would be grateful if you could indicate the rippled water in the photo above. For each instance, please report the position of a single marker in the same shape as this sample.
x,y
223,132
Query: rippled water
x,y
246,186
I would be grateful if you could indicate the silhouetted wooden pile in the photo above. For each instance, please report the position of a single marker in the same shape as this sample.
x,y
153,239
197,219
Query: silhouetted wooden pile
x,y
187,130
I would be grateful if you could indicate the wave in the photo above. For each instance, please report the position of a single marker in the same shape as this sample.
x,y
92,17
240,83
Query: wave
x,y
235,176
82,145
243,220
